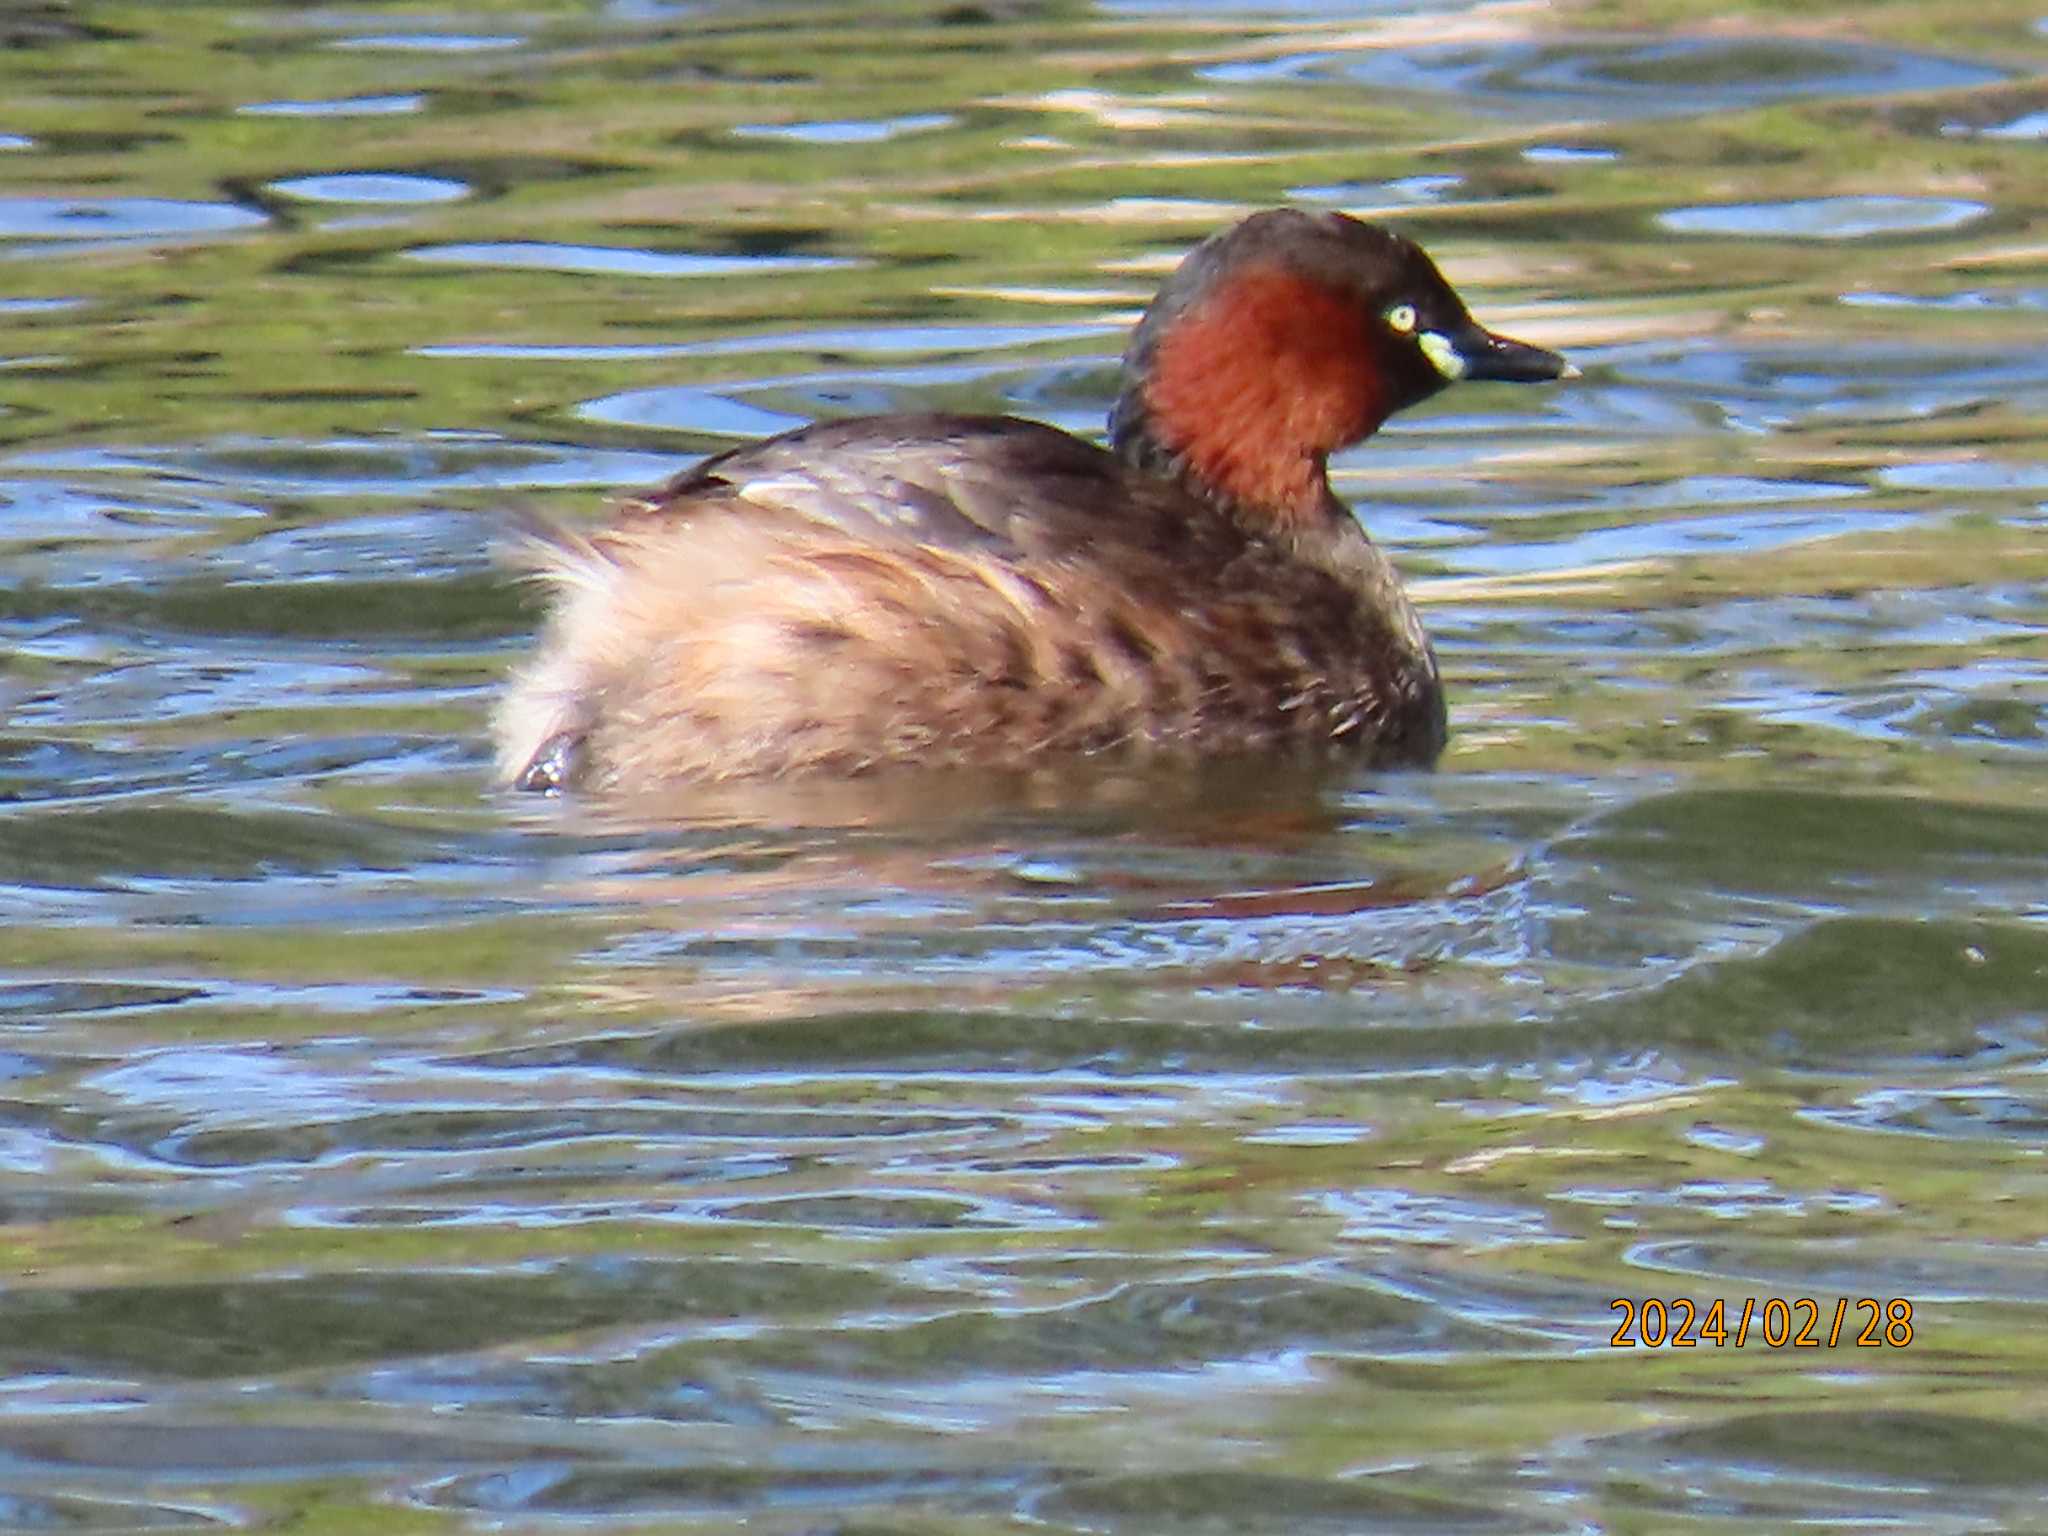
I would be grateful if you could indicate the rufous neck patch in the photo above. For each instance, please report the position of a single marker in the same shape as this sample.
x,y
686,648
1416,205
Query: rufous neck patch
x,y
1259,380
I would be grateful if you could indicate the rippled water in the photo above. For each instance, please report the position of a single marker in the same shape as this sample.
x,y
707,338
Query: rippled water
x,y
1206,1152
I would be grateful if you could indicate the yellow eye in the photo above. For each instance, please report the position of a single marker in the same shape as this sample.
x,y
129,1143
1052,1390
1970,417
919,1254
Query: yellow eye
x,y
1402,318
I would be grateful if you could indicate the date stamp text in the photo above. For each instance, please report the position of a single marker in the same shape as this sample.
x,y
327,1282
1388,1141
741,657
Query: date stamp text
x,y
1866,1322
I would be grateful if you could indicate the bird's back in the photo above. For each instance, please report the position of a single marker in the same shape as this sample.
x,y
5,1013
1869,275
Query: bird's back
x,y
941,589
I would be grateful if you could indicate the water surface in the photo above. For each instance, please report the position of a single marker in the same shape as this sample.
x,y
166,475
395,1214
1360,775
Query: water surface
x,y
1188,1152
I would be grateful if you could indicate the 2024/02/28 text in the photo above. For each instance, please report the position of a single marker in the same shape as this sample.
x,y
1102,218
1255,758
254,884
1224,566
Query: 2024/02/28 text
x,y
1681,1324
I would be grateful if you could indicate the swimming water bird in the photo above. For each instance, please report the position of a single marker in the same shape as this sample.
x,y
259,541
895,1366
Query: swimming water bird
x,y
984,591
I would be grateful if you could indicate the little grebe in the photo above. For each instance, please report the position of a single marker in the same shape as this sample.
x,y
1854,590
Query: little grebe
x,y
982,591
